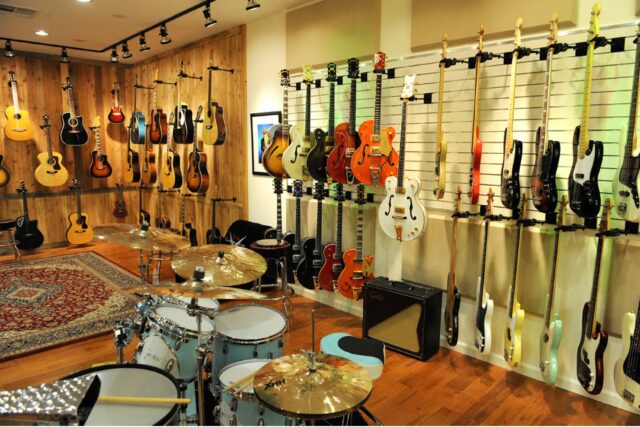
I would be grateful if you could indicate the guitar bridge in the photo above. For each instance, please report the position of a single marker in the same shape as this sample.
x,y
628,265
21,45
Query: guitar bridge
x,y
628,396
399,232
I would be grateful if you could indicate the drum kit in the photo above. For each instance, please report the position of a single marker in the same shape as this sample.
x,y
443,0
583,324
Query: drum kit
x,y
184,332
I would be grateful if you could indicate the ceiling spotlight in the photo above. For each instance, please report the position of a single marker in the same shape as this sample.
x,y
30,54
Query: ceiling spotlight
x,y
8,50
252,5
164,34
209,22
41,33
126,53
143,43
64,57
84,1
114,55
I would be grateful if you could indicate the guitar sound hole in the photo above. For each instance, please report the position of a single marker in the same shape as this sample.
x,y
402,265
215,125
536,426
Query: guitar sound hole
x,y
17,116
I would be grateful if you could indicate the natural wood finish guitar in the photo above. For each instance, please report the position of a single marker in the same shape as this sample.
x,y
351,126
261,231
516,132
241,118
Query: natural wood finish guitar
x,y
50,172
79,231
18,126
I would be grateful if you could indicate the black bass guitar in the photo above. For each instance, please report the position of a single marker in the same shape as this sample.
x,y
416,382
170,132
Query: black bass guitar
x,y
310,262
73,131
317,157
27,233
453,295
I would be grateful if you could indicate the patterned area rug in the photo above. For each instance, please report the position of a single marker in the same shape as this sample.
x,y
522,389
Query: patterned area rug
x,y
52,301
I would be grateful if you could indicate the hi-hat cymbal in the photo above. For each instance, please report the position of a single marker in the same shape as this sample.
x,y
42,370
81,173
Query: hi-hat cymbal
x,y
196,289
337,386
224,265
130,236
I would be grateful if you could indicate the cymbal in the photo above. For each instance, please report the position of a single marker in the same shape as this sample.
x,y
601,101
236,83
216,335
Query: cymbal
x,y
133,237
337,387
236,266
195,289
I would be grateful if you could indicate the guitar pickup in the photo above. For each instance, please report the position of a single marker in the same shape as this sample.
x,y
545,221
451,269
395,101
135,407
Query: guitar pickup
x,y
579,175
401,191
399,210
375,151
349,152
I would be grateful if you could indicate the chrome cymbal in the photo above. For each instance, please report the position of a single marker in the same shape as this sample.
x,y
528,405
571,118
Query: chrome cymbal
x,y
196,289
224,265
133,237
336,387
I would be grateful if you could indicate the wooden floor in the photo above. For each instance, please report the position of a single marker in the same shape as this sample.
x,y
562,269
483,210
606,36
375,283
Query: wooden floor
x,y
449,389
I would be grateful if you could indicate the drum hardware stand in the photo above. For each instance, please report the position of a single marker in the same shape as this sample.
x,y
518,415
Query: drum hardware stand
x,y
123,337
285,291
195,311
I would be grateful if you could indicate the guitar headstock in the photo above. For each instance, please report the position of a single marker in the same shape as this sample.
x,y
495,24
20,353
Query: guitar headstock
x,y
12,77
458,198
553,30
563,208
277,186
171,121
360,199
481,38
297,188
284,77
489,210
408,91
379,62
339,196
331,72
156,77
22,187
75,185
605,219
319,191
199,113
445,45
67,84
518,33
46,122
307,74
594,22
116,87
354,68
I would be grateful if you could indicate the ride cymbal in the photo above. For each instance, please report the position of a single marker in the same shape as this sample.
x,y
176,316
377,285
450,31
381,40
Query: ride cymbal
x,y
130,236
196,289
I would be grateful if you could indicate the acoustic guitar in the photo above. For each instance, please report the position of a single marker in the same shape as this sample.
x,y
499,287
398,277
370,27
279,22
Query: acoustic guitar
x,y
441,144
27,233
120,209
73,132
79,231
99,167
214,131
197,174
476,142
183,128
278,135
50,172
317,157
132,171
333,262
18,126
149,168
171,173
5,177
116,113
294,158
158,129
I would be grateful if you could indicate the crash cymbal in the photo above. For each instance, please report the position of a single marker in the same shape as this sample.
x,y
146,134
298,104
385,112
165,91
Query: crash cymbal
x,y
224,265
337,387
196,289
133,237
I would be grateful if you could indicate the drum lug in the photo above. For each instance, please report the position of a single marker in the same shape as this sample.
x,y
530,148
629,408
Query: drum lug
x,y
271,355
225,348
179,343
170,364
280,343
216,414
234,404
255,351
233,420
260,410
261,422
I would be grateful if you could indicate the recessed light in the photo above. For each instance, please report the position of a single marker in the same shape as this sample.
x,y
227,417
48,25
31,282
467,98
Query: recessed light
x,y
41,33
84,1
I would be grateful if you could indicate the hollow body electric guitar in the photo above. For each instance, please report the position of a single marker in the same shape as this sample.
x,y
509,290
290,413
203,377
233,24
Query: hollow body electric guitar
x,y
333,262
441,144
50,172
584,193
510,191
593,340
18,126
79,231
484,303
116,114
310,262
73,131
171,174
278,135
294,158
214,131
453,295
324,142
197,174
626,375
159,128
100,167
376,159
476,142
401,214
27,233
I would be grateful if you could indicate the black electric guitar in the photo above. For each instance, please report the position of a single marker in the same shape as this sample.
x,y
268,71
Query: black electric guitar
x,y
310,262
277,233
296,248
453,295
73,131
143,216
183,128
27,233
187,229
484,303
317,157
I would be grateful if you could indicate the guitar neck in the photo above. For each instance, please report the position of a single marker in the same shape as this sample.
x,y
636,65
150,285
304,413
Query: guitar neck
x,y
376,116
359,231
476,101
586,102
352,107
545,104
78,205
209,112
25,206
319,227
183,215
297,236
591,315
487,225
285,112
440,109
14,94
279,216
512,103
552,281
307,113
630,146
213,215
516,263
339,230
332,109
49,147
403,135
72,104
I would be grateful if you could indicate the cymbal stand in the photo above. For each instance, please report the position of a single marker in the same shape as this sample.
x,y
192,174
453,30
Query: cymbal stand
x,y
194,310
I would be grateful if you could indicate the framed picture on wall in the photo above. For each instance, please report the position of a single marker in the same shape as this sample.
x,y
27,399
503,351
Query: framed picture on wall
x,y
260,124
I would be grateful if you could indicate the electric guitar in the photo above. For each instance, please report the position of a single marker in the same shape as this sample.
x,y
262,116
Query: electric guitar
x,y
584,194
187,229
276,233
453,295
317,157
515,314
144,216
5,177
625,183
158,130
278,135
552,332
544,192
310,262
593,341
214,130
441,144
346,136
171,175
484,303
116,114
214,236
18,126
50,172
120,210
73,131
375,159
358,270
510,191
294,158
162,221
476,142
296,247
79,231
183,128
626,377
401,214
100,167
197,174
333,262
27,233
132,171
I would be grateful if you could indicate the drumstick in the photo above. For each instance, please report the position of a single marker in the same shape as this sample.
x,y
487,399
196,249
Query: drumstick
x,y
244,381
138,400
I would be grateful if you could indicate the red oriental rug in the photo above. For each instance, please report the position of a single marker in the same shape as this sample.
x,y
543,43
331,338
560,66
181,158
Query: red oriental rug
x,y
52,301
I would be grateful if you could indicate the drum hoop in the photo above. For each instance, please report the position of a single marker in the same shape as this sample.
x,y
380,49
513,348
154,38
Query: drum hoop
x,y
242,395
164,323
175,301
273,337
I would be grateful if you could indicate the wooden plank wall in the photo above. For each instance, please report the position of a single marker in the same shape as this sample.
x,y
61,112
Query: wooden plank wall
x,y
39,85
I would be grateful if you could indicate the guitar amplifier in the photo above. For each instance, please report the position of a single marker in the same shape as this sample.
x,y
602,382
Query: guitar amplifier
x,y
403,315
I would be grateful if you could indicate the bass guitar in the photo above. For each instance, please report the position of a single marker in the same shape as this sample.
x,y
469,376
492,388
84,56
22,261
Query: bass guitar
x,y
120,209
99,167
515,314
317,157
346,135
453,295
294,158
278,135
143,215
50,172
625,183
79,231
310,263
358,270
333,263
296,248
593,340
158,130
284,241
171,174
375,159
27,233
5,177
197,174
484,303
162,221
73,131
510,188
441,144
626,377
552,331
544,192
476,142
187,229
401,214
18,126
183,128
214,130
584,193
116,114
132,171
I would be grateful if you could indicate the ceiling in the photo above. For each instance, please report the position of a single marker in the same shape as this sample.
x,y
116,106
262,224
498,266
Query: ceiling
x,y
101,23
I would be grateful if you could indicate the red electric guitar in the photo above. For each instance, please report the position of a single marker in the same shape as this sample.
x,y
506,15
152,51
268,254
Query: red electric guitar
x,y
116,114
476,145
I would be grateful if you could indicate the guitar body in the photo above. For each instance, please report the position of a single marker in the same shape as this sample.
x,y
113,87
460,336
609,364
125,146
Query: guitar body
x,y
132,172
192,234
73,132
272,156
451,316
331,269
338,162
79,231
294,163
100,167
149,168
513,337
584,193
138,128
371,169
474,185
18,126
116,115
316,159
214,236
549,344
5,177
510,183
590,366
162,222
197,174
120,209
171,172
441,169
27,234
51,172
484,316
184,133
544,191
214,130
625,185
354,275
625,373
304,269
402,216
159,128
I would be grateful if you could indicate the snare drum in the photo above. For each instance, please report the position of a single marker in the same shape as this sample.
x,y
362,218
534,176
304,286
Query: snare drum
x,y
133,380
246,332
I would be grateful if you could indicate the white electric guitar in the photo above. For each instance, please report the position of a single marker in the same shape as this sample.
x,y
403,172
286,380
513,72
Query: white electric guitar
x,y
294,158
484,304
627,369
401,213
